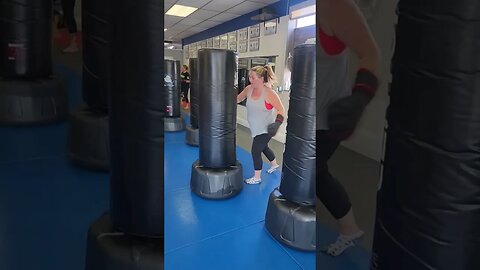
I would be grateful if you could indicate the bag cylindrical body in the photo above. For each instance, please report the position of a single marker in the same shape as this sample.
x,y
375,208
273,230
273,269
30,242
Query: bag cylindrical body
x,y
172,88
298,173
136,119
194,84
97,30
428,204
25,39
217,70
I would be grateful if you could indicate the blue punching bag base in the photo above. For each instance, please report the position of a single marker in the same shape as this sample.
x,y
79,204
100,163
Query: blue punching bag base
x,y
111,250
191,136
88,144
32,102
291,224
216,184
174,124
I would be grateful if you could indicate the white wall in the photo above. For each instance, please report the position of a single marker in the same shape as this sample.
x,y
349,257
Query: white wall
x,y
368,139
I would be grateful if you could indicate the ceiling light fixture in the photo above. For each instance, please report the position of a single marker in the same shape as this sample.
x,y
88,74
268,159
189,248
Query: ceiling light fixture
x,y
181,11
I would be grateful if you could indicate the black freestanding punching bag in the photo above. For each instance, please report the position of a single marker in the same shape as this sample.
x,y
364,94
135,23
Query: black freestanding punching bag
x,y
171,81
243,82
428,204
217,174
291,216
131,235
88,129
192,129
29,94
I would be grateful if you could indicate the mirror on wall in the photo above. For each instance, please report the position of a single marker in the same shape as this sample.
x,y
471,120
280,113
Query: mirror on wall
x,y
244,64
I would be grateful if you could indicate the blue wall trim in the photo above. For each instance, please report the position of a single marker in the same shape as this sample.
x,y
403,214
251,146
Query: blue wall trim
x,y
281,9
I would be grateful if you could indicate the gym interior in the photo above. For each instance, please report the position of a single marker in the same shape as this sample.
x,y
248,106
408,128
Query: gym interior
x,y
84,135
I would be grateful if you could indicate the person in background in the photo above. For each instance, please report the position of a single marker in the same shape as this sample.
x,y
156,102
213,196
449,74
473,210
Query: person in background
x,y
68,7
57,15
261,100
185,86
341,27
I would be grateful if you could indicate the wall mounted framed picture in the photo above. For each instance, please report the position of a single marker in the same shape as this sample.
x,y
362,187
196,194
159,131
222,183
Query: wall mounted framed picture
x,y
192,47
232,37
254,31
224,41
254,45
242,46
216,42
243,34
232,46
270,27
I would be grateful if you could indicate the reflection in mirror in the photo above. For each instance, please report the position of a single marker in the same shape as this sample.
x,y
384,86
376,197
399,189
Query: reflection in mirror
x,y
245,64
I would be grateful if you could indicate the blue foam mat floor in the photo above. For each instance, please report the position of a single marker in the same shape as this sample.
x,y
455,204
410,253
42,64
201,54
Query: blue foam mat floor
x,y
216,234
47,205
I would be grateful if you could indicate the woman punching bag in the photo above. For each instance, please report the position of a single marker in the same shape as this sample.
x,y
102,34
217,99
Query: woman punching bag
x,y
428,204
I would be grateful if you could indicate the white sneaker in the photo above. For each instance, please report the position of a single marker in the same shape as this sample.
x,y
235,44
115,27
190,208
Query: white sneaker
x,y
253,181
343,243
273,168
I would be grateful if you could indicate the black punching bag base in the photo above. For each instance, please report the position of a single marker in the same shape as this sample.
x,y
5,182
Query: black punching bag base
x,y
111,250
191,136
88,139
173,124
32,102
292,224
216,184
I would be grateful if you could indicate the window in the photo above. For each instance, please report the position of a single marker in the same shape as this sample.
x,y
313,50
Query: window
x,y
306,21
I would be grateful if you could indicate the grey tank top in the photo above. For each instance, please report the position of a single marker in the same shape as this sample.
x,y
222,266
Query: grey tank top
x,y
332,82
258,116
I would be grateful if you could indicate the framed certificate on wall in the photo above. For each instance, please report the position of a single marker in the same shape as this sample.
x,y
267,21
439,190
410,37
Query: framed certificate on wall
x,y
254,44
243,34
224,41
270,27
232,37
232,46
243,46
254,31
216,42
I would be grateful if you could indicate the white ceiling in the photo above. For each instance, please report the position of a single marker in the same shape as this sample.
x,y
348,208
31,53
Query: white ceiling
x,y
210,13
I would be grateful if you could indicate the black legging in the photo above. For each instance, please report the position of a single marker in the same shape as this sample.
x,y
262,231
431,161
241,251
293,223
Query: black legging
x,y
259,145
185,93
330,192
68,7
